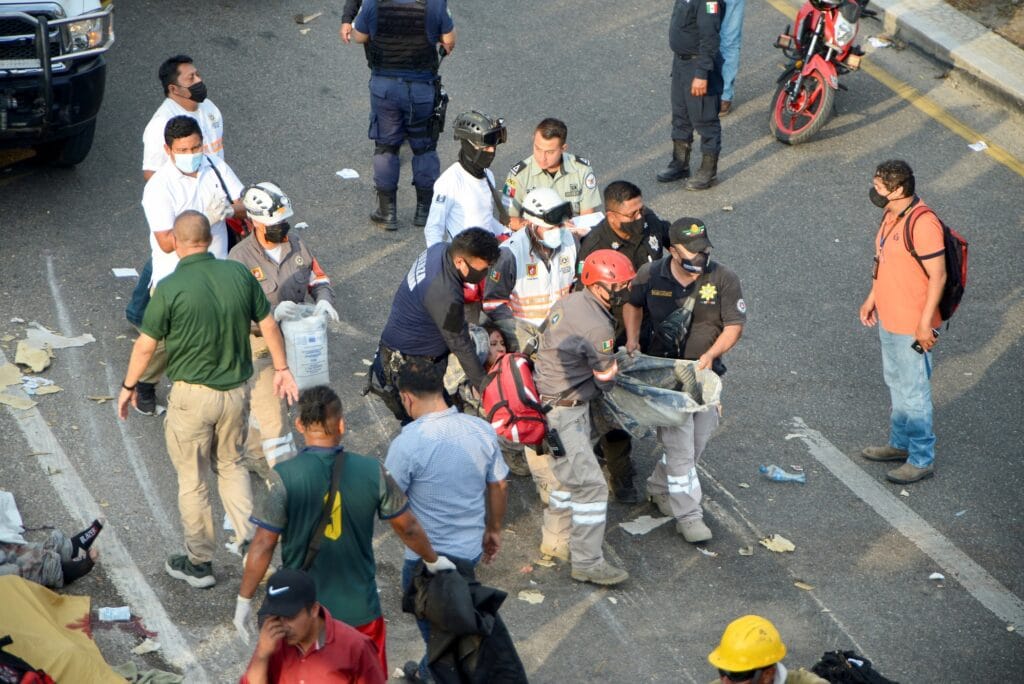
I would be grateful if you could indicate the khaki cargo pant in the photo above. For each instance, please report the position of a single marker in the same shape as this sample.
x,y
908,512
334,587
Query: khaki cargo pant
x,y
675,473
269,435
578,506
204,429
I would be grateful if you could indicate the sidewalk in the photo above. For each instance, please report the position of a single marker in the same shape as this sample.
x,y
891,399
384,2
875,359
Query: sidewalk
x,y
953,37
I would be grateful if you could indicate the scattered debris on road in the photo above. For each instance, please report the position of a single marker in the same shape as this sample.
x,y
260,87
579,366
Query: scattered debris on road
x,y
347,174
125,273
747,551
904,492
643,524
38,336
937,576
115,614
31,356
20,403
100,399
960,514
778,544
777,474
709,554
800,584
531,596
307,18
147,646
979,146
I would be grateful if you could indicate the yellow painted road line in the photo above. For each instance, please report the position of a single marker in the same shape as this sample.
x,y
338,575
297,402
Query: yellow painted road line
x,y
925,104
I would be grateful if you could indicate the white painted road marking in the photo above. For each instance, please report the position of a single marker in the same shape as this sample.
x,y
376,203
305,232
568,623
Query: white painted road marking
x,y
985,588
117,562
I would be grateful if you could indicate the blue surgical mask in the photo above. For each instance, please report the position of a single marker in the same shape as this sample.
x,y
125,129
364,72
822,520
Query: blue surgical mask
x,y
552,238
188,163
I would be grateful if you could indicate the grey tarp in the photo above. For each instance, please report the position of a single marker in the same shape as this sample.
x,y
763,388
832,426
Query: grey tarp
x,y
654,392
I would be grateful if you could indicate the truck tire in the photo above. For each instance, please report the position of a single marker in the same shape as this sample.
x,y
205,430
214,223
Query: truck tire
x,y
69,151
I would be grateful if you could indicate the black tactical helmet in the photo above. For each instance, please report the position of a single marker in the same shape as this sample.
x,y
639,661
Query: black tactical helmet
x,y
479,129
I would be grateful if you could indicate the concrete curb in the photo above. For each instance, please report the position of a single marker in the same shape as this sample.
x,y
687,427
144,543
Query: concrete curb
x,y
953,37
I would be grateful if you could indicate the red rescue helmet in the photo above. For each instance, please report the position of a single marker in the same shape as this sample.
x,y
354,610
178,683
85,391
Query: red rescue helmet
x,y
607,266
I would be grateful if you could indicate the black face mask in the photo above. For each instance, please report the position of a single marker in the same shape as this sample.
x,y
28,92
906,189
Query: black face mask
x,y
696,264
474,159
877,198
277,232
197,91
616,298
632,227
474,276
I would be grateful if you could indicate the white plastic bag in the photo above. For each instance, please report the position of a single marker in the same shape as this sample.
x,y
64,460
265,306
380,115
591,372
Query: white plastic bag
x,y
305,341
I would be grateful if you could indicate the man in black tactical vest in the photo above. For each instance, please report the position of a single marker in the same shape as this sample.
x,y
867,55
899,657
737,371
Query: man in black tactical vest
x,y
401,39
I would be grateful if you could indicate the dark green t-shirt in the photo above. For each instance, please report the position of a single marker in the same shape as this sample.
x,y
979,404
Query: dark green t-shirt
x,y
344,569
203,313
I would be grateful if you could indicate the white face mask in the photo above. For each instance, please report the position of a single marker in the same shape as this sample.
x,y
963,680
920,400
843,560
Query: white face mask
x,y
552,238
188,163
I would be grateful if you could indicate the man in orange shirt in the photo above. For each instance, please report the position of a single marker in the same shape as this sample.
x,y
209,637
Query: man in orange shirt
x,y
904,298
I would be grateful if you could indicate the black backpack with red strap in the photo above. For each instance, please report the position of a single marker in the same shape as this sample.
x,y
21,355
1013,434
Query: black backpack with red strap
x,y
956,261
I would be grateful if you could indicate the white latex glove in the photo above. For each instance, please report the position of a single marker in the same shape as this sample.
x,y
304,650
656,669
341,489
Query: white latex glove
x,y
442,563
218,209
287,309
324,307
243,609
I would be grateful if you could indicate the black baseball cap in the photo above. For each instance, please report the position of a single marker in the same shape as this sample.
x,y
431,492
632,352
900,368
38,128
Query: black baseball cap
x,y
691,233
288,591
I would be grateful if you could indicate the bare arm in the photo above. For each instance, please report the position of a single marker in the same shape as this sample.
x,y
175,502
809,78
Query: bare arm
x,y
142,352
165,238
284,383
496,501
632,316
448,41
409,530
261,552
727,340
146,175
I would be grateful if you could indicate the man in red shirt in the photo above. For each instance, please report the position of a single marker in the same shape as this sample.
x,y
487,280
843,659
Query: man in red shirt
x,y
300,641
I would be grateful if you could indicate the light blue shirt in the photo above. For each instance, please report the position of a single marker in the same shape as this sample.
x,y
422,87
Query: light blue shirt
x,y
443,462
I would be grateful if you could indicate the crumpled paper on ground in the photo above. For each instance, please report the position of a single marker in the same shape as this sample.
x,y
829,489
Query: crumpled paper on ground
x,y
531,596
34,385
643,524
778,544
28,354
147,646
20,403
9,375
39,336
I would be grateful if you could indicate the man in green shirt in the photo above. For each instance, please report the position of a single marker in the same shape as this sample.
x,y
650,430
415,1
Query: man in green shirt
x,y
202,312
290,509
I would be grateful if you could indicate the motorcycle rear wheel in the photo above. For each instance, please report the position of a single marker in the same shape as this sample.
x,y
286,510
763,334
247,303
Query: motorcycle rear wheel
x,y
799,121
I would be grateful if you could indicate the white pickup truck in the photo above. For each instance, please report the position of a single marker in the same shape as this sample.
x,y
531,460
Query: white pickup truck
x,y
52,75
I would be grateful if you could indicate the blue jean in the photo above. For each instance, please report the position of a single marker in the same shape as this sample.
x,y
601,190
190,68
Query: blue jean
x,y
140,296
729,44
408,572
908,375
400,110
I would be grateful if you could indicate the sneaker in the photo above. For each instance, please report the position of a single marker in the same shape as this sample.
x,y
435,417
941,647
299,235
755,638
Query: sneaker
x,y
661,501
694,530
145,398
603,573
907,474
560,551
199,576
884,453
415,672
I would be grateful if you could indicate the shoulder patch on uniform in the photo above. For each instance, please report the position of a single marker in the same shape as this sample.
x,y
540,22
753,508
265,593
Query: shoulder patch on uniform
x,y
257,273
555,318
590,181
495,275
514,171
711,7
299,261
607,345
581,160
653,242
440,199
741,306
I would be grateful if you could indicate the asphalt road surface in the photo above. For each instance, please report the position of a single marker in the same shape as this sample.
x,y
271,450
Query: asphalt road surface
x,y
804,385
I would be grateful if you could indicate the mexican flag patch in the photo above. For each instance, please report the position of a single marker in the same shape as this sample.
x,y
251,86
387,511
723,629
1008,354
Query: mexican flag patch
x,y
711,7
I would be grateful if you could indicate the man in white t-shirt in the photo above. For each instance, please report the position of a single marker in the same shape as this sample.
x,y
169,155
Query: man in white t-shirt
x,y
464,195
189,179
186,96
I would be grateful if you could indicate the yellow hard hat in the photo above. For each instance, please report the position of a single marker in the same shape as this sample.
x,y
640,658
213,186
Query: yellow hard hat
x,y
748,643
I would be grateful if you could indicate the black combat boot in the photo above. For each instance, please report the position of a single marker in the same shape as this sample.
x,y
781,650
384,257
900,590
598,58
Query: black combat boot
x,y
705,175
386,214
679,167
423,198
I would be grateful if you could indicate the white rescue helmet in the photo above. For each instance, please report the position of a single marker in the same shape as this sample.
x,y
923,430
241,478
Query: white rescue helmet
x,y
545,208
266,203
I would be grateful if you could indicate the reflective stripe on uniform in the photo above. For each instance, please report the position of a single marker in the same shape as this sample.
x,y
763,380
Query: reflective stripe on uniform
x,y
559,498
684,484
276,447
589,513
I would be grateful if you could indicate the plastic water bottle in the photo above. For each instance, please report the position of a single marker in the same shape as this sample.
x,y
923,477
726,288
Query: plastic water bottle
x,y
774,472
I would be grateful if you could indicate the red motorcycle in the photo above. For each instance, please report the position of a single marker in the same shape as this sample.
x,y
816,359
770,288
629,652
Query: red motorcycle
x,y
820,48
